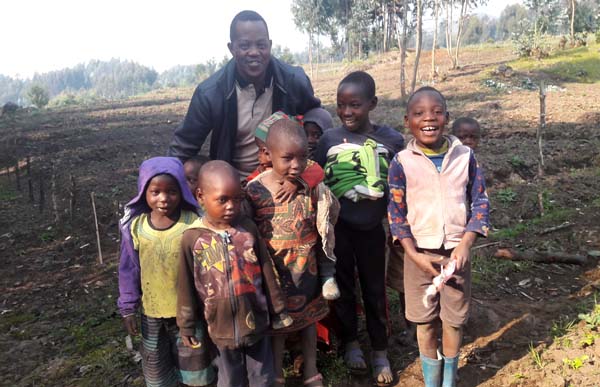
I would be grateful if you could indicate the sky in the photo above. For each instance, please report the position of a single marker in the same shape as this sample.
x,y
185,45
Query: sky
x,y
45,35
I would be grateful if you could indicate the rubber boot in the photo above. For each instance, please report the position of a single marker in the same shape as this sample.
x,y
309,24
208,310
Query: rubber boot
x,y
450,368
432,371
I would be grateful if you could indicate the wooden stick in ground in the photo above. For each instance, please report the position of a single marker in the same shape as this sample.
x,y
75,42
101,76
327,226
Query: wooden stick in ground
x,y
53,195
556,228
100,260
540,256
540,131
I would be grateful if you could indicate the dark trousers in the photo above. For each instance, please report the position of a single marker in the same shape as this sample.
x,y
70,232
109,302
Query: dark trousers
x,y
364,250
248,366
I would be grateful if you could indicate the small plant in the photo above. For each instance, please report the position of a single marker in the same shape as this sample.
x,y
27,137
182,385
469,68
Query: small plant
x,y
576,363
517,162
588,340
592,319
519,375
565,342
47,236
506,196
536,356
561,327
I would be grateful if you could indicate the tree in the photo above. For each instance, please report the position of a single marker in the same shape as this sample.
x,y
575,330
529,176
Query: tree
x,y
311,16
419,40
436,9
38,96
572,30
465,6
510,21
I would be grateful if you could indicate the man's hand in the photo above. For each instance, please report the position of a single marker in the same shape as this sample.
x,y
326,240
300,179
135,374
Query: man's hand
x,y
190,341
462,252
286,192
130,325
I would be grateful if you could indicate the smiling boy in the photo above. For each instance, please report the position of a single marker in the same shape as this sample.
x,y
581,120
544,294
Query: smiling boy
x,y
437,207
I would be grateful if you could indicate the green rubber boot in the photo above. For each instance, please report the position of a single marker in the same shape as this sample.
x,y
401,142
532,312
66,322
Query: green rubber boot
x,y
450,368
432,371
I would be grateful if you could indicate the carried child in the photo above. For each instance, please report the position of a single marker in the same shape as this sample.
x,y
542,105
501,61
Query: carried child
x,y
355,157
296,232
438,205
226,276
151,230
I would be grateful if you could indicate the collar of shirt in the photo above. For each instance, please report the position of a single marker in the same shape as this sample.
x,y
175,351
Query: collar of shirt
x,y
268,79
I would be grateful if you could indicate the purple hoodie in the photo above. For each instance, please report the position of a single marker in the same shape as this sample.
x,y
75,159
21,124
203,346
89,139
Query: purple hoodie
x,y
130,290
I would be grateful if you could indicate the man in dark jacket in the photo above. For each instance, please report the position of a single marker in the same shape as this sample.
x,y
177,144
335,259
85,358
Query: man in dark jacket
x,y
233,101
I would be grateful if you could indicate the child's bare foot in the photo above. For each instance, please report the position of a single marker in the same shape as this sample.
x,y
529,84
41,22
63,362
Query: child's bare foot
x,y
330,289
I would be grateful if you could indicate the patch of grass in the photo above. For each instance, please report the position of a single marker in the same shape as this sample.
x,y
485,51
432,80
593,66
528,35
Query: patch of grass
x,y
536,356
517,162
596,202
511,232
506,196
588,340
561,327
8,194
93,333
486,272
333,369
592,319
579,64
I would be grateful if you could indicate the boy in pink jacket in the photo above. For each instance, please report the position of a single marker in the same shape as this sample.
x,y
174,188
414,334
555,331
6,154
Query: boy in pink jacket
x,y
437,208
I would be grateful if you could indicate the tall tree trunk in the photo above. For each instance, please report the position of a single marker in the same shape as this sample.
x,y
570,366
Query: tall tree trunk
x,y
461,22
435,33
385,25
419,43
402,42
318,53
449,25
573,21
310,55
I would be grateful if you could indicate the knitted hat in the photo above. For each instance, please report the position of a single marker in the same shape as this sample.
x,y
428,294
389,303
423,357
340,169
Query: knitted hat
x,y
320,117
263,128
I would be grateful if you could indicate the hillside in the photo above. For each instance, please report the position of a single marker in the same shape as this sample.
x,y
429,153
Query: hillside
x,y
59,325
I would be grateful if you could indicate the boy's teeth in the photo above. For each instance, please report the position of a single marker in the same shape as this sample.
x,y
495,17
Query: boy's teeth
x,y
428,129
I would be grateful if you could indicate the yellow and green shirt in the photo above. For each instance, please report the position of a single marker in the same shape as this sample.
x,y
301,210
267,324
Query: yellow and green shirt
x,y
159,262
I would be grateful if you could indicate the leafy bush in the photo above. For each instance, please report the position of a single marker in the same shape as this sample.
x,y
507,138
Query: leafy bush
x,y
38,96
528,44
598,36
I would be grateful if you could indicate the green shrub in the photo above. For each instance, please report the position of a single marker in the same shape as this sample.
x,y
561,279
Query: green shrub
x,y
38,96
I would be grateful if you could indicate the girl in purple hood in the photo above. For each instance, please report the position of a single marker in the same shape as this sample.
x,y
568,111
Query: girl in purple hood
x,y
151,231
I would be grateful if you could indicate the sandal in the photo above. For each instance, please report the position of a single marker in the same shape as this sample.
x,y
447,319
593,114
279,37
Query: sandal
x,y
315,381
354,359
382,371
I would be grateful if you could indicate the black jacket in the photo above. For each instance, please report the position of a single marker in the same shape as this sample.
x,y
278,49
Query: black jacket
x,y
214,108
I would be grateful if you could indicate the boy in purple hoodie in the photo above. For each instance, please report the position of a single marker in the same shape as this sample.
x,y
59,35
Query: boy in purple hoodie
x,y
151,231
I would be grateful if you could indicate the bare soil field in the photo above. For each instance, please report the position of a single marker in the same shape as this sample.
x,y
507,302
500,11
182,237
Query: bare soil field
x,y
532,324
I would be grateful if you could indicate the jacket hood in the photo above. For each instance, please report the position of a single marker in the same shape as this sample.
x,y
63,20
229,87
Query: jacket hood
x,y
159,166
320,117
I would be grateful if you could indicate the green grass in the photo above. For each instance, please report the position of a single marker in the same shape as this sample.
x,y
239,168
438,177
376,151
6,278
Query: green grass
x,y
551,217
581,64
486,272
536,356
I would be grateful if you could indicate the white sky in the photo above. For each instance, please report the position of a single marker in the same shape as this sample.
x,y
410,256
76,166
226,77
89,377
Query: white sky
x,y
45,35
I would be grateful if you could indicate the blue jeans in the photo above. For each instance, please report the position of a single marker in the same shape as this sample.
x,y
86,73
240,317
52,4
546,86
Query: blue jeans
x,y
248,366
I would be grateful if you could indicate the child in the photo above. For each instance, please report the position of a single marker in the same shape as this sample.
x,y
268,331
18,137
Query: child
x,y
151,231
296,232
355,157
316,121
438,206
468,131
191,168
226,272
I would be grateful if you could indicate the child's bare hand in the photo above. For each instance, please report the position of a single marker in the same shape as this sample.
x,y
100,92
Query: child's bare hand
x,y
130,325
190,341
462,254
286,192
425,262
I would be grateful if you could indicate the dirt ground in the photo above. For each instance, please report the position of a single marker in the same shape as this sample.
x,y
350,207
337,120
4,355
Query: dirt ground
x,y
58,320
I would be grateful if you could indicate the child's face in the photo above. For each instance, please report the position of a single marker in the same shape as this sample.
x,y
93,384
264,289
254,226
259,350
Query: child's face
x,y
163,195
468,134
221,198
427,119
191,174
353,107
313,133
263,156
289,159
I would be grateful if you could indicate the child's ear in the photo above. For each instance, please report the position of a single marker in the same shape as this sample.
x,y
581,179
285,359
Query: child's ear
x,y
268,154
447,118
373,103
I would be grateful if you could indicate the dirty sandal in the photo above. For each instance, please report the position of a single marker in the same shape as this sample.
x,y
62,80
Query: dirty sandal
x,y
382,372
355,359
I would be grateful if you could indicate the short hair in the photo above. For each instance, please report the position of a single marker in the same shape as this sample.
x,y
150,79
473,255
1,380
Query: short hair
x,y
425,89
362,80
216,169
285,130
465,120
198,160
242,17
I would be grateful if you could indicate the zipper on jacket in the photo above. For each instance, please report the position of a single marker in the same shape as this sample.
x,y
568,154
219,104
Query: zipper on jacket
x,y
232,299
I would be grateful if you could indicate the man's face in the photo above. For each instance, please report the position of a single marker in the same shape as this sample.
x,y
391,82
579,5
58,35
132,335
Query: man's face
x,y
251,50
